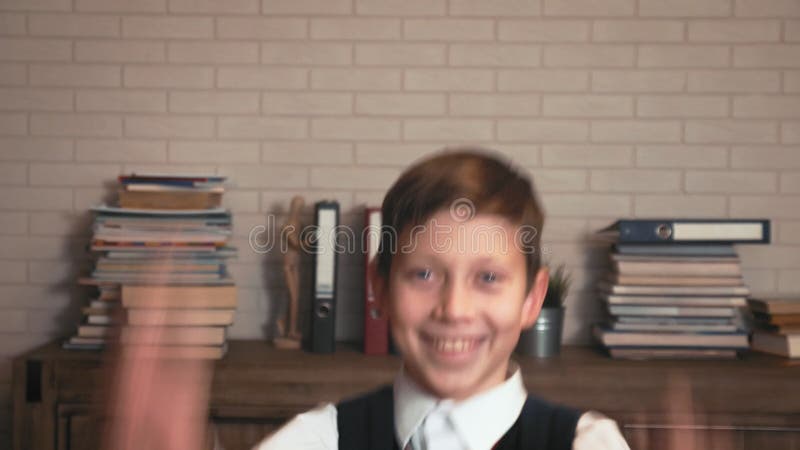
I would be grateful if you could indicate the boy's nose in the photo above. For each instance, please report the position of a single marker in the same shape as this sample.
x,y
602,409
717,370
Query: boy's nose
x,y
455,303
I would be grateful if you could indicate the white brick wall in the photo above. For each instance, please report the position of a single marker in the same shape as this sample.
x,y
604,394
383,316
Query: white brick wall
x,y
617,108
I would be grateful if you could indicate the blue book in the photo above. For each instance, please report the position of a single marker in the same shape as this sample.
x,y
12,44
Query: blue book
x,y
701,250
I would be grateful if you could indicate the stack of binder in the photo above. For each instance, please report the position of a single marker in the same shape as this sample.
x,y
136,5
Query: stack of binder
x,y
161,267
675,289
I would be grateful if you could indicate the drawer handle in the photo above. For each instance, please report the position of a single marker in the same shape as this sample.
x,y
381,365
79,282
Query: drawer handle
x,y
33,381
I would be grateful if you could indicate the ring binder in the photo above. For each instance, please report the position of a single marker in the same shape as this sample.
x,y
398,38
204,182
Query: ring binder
x,y
694,231
322,337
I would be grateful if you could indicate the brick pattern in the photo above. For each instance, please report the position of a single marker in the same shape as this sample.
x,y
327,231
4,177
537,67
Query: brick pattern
x,y
617,108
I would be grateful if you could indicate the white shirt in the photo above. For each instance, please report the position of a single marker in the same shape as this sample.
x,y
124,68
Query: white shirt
x,y
424,422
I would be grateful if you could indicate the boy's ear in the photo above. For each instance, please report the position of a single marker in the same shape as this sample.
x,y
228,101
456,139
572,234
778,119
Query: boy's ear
x,y
535,298
379,286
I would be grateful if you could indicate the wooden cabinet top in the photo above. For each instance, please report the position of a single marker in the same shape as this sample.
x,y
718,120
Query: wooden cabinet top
x,y
254,380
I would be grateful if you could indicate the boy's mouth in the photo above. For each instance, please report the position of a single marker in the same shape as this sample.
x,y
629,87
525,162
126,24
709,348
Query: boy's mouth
x,y
453,348
454,345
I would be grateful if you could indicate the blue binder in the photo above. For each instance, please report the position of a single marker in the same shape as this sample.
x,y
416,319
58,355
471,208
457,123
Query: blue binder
x,y
689,231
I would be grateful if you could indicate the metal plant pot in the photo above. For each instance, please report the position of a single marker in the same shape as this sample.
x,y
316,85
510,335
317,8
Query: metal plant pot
x,y
543,339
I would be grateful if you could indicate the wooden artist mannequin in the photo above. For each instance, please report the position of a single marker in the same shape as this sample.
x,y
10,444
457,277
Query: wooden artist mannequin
x,y
289,335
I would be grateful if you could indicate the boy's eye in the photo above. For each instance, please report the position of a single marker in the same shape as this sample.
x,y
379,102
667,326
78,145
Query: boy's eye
x,y
488,277
423,274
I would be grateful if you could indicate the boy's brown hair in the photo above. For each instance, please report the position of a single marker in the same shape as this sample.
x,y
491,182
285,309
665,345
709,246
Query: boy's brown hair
x,y
469,178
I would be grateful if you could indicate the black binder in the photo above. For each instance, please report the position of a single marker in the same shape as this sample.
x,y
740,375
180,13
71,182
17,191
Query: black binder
x,y
322,337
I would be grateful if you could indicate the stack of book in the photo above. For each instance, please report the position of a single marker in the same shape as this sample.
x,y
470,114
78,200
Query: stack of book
x,y
174,246
161,267
187,320
777,326
676,288
101,319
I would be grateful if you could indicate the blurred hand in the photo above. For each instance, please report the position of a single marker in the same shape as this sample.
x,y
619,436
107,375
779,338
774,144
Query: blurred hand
x,y
159,395
158,403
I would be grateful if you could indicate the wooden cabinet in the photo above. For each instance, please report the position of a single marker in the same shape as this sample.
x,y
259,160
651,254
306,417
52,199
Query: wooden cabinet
x,y
751,403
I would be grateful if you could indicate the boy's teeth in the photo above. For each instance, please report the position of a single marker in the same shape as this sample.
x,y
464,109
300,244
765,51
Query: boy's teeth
x,y
453,345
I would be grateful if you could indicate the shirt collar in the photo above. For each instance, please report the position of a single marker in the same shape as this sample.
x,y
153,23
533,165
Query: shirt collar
x,y
412,404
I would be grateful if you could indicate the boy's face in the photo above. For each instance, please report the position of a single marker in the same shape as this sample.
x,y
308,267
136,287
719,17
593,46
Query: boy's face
x,y
456,301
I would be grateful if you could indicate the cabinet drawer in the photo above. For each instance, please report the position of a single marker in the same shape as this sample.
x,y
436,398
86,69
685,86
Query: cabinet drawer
x,y
660,437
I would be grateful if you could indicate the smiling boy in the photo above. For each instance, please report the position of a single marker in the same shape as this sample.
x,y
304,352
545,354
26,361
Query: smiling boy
x,y
456,315
459,274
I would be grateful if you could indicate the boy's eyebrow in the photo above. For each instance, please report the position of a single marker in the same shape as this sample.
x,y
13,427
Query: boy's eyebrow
x,y
486,259
420,257
432,258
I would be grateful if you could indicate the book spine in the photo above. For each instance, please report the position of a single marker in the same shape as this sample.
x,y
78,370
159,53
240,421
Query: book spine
x,y
376,325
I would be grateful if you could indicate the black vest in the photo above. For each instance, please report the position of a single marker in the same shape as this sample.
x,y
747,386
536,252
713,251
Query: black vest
x,y
367,423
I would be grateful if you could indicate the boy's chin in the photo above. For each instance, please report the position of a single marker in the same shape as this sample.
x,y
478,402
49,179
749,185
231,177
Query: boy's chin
x,y
455,384
454,372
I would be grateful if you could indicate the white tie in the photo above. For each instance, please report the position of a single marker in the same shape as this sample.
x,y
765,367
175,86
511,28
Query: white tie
x,y
438,432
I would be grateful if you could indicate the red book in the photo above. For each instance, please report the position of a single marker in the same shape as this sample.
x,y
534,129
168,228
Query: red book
x,y
376,324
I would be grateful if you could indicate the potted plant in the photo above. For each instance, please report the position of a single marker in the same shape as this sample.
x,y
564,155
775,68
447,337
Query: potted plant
x,y
543,339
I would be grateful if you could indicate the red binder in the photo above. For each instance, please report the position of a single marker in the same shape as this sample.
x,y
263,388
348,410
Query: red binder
x,y
376,324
